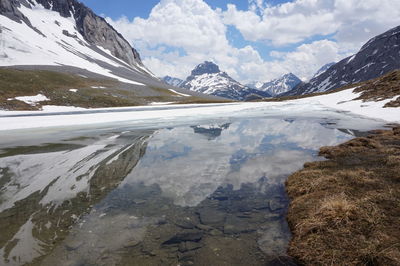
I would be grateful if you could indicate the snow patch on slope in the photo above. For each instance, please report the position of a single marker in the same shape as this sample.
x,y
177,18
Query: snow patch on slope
x,y
179,93
59,44
31,100
344,100
209,83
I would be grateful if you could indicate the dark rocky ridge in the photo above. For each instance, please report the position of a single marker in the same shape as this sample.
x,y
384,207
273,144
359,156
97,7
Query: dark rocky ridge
x,y
205,68
377,57
93,28
323,69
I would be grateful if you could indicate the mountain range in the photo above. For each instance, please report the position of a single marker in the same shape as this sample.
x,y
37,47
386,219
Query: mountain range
x,y
65,36
209,79
377,57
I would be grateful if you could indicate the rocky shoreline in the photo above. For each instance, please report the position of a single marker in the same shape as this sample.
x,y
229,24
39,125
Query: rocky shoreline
x,y
346,210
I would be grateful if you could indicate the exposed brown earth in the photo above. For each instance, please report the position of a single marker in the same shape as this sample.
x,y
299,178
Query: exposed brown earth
x,y
346,210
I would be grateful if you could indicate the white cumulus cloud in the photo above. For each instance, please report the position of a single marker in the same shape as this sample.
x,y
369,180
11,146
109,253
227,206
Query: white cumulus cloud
x,y
351,21
179,34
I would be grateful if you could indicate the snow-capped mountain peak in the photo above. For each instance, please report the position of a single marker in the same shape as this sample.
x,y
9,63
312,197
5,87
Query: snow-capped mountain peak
x,y
209,79
281,85
205,68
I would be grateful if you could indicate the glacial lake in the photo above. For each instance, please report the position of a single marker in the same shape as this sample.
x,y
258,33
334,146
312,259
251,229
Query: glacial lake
x,y
207,192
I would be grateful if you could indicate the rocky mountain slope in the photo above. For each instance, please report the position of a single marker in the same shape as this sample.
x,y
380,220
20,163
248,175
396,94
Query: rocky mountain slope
x,y
209,79
377,57
64,32
281,85
323,69
65,36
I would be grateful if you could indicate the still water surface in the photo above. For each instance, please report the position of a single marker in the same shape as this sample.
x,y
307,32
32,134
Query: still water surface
x,y
201,194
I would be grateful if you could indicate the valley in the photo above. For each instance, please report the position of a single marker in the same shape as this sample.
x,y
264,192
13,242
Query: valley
x,y
195,132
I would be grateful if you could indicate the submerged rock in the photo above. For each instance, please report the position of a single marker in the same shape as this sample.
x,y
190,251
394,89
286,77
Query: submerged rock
x,y
186,223
73,245
277,205
235,225
192,235
210,216
188,246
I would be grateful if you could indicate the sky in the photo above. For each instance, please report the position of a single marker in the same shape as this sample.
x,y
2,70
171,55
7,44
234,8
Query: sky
x,y
252,40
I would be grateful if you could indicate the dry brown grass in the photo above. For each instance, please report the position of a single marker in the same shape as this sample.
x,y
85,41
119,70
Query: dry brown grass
x,y
346,210
382,88
56,86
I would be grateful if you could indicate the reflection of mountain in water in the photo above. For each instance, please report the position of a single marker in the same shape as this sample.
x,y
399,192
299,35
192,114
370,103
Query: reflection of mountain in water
x,y
124,199
41,204
211,131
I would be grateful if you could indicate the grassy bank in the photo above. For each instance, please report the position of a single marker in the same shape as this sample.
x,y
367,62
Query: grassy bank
x,y
66,89
346,210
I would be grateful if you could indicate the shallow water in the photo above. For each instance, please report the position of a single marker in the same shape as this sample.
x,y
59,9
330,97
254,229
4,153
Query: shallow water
x,y
203,194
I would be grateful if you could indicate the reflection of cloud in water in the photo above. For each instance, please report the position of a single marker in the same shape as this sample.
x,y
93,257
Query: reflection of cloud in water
x,y
188,168
308,135
274,166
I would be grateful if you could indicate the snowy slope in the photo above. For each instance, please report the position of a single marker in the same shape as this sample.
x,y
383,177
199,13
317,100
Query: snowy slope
x,y
209,79
65,36
377,57
345,101
45,37
281,85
